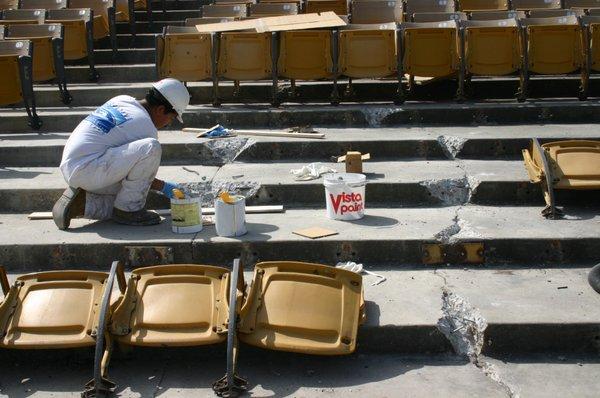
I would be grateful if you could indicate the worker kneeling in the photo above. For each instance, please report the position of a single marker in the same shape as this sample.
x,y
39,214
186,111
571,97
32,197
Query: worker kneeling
x,y
111,159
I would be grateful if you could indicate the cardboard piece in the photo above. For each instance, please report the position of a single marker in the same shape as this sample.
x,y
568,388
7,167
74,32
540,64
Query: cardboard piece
x,y
315,232
354,161
327,19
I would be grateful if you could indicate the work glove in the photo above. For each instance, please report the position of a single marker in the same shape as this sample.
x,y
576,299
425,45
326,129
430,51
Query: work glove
x,y
168,189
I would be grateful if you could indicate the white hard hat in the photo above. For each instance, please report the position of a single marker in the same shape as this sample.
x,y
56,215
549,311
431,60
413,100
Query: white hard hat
x,y
176,93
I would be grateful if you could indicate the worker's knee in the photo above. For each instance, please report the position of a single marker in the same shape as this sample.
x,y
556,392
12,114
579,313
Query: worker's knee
x,y
150,146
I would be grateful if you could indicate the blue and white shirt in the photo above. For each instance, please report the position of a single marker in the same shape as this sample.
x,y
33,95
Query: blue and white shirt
x,y
118,122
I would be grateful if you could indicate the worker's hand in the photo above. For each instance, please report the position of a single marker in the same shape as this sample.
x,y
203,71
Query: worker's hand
x,y
168,188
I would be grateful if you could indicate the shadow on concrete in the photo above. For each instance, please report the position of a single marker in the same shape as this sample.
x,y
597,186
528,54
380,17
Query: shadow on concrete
x,y
257,232
375,221
6,173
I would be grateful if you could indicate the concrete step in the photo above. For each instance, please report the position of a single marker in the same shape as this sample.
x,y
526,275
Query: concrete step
x,y
179,4
170,15
350,115
124,40
261,91
144,27
134,73
389,184
174,373
125,56
526,310
399,143
510,235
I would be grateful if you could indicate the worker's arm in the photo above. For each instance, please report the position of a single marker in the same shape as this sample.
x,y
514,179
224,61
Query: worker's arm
x,y
164,186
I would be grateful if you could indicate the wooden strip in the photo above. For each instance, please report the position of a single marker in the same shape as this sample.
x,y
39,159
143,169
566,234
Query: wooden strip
x,y
47,215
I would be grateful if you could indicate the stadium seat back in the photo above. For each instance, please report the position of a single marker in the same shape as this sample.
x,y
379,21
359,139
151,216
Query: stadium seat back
x,y
492,48
368,52
439,16
586,4
273,9
430,49
224,10
100,9
415,6
340,7
245,56
536,4
554,45
206,20
41,36
57,309
74,22
479,5
593,24
554,13
42,4
302,307
305,55
9,4
34,16
495,15
10,76
186,54
173,305
376,11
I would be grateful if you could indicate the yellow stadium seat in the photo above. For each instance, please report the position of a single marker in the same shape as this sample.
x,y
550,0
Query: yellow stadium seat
x,y
376,11
16,79
553,46
526,5
340,7
418,6
181,305
247,56
554,13
225,10
585,4
61,309
307,55
480,5
104,13
9,4
591,34
207,20
186,54
563,165
79,35
368,51
261,10
429,50
494,15
12,17
490,48
439,16
48,47
302,307
42,4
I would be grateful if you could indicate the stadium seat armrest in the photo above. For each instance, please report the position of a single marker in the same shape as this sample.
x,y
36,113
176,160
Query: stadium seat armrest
x,y
4,281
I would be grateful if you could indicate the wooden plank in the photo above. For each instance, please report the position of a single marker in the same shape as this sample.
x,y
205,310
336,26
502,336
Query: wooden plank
x,y
202,132
47,215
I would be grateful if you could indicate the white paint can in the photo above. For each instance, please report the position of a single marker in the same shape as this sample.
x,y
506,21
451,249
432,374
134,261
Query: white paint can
x,y
186,215
345,195
230,218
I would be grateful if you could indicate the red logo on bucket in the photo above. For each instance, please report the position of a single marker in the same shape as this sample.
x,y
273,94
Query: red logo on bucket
x,y
347,203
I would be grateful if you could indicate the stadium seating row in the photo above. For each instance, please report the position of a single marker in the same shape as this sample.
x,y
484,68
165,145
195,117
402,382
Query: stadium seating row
x,y
290,306
383,11
449,49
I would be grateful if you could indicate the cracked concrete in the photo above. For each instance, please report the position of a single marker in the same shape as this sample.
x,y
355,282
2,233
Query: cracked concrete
x,y
376,115
226,150
451,145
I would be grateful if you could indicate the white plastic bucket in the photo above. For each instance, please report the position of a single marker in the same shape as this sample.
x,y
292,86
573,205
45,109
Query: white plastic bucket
x,y
230,219
186,215
345,195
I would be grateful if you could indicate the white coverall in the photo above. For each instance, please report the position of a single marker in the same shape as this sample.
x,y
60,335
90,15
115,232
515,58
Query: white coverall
x,y
113,155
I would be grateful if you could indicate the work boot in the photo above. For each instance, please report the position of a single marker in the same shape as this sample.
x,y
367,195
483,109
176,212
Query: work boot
x,y
137,218
70,205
